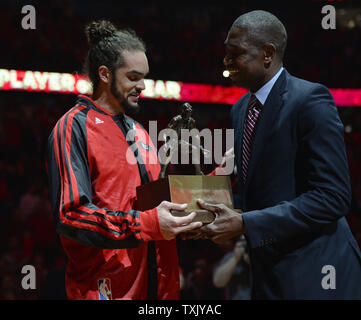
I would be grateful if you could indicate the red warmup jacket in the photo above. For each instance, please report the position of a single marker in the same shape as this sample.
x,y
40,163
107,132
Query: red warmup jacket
x,y
114,251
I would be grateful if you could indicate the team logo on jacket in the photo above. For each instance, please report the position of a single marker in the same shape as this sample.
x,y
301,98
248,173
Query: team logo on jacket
x,y
145,146
97,120
104,289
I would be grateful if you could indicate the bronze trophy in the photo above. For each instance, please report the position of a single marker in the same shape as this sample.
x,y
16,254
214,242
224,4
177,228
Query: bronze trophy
x,y
179,122
185,188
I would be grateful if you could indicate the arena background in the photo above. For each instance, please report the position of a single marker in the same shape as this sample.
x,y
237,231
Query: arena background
x,y
184,44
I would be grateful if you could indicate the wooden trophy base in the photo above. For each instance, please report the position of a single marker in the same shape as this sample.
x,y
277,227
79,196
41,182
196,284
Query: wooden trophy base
x,y
186,189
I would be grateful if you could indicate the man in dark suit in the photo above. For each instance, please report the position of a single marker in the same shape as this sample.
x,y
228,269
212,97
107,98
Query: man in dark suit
x,y
293,174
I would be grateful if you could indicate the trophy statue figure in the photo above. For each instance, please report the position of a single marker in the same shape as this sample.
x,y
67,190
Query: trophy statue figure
x,y
179,122
180,188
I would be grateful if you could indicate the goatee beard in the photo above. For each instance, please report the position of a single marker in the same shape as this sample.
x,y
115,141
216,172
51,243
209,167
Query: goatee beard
x,y
128,109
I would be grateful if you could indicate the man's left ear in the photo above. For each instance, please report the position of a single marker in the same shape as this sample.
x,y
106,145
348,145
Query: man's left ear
x,y
104,74
269,54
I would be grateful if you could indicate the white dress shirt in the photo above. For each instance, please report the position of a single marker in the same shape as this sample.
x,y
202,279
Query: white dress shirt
x,y
264,91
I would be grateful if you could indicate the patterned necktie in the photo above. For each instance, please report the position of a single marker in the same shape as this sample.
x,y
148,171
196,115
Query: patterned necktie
x,y
254,110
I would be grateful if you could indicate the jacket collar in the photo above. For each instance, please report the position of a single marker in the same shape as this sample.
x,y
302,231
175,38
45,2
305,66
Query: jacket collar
x,y
86,100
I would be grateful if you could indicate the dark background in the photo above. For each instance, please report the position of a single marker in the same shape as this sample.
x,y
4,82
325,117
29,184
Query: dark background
x,y
184,43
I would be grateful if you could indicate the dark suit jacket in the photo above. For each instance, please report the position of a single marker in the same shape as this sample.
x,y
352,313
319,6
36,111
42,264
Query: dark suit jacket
x,y
297,194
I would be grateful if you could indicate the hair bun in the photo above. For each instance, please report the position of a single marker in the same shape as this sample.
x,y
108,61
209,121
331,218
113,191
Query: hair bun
x,y
98,30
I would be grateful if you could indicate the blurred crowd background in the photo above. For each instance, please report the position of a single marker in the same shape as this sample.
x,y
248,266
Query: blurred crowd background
x,y
184,43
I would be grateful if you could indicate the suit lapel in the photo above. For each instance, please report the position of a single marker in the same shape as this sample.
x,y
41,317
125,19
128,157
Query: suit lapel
x,y
269,114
